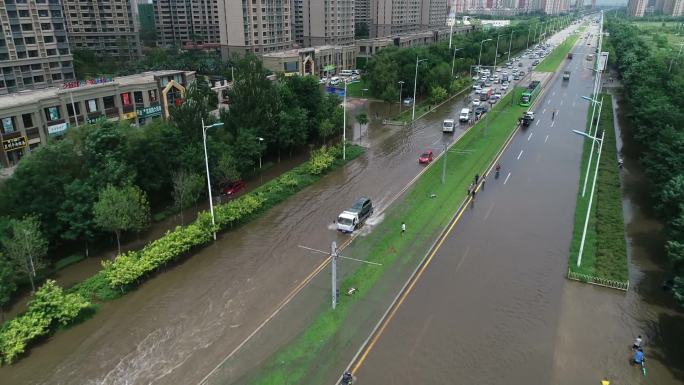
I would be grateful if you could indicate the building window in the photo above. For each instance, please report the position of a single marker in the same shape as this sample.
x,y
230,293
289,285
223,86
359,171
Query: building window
x,y
43,13
28,80
45,26
52,113
27,119
108,102
54,64
56,76
8,125
138,96
91,105
51,52
126,99
152,94
38,79
27,27
30,40
70,108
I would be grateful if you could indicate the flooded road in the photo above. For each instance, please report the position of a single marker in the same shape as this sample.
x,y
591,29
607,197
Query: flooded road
x,y
494,307
179,325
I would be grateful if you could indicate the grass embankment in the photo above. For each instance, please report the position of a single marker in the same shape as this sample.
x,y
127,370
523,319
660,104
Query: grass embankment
x,y
425,217
553,60
605,251
356,90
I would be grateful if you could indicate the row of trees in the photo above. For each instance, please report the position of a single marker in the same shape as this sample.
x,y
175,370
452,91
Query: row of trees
x,y
106,178
394,64
655,92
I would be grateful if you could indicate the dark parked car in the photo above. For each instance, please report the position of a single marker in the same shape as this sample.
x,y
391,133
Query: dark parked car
x,y
480,110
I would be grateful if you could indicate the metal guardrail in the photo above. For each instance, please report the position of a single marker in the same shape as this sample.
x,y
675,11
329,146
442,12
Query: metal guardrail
x,y
598,281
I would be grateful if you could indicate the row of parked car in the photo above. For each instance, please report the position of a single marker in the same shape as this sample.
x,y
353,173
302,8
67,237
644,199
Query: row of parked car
x,y
346,76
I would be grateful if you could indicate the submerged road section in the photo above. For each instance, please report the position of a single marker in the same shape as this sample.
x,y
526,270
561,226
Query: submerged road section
x,y
486,310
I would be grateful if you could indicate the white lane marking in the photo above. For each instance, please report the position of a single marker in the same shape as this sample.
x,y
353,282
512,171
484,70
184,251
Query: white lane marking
x,y
547,138
544,111
565,94
561,103
530,137
436,141
537,122
507,176
519,155
552,123
554,93
573,104
489,211
549,102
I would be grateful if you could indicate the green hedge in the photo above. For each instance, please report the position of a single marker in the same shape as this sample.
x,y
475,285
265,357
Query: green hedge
x,y
49,308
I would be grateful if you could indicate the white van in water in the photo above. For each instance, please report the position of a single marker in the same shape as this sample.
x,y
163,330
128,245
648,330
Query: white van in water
x,y
465,115
448,125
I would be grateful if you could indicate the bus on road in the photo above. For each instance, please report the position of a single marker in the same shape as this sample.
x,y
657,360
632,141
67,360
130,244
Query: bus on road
x,y
530,93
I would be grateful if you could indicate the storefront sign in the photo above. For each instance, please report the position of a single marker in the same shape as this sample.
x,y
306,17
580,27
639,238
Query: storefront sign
x,y
129,115
87,82
57,129
15,143
149,112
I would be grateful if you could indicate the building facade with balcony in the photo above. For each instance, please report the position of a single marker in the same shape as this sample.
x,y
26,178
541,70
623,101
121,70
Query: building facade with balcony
x,y
29,118
369,47
317,61
34,46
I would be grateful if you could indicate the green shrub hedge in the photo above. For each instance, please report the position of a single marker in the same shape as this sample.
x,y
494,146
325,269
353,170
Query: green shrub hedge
x,y
49,308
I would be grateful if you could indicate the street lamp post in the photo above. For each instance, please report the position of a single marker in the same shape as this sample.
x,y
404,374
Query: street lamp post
x,y
260,139
510,42
401,87
344,123
415,87
496,52
206,162
528,37
479,59
453,61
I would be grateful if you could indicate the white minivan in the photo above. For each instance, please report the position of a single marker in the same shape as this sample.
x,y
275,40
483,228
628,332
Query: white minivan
x,y
448,125
465,115
346,73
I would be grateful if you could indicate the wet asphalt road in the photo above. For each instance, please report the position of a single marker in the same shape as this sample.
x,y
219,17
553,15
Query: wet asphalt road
x,y
486,310
179,325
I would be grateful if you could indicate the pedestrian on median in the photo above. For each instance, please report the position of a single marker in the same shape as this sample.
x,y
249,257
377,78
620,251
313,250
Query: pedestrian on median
x,y
553,115
470,188
474,192
477,178
483,181
403,228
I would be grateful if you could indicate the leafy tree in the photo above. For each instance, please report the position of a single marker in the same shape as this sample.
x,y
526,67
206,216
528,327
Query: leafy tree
x,y
362,119
199,101
8,283
437,94
105,155
76,212
122,209
26,247
226,169
383,76
51,302
326,129
292,129
187,188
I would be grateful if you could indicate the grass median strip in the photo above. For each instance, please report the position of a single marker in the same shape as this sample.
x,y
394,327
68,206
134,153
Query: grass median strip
x,y
605,252
555,58
426,208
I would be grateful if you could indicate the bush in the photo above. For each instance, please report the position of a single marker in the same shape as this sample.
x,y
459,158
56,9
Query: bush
x,y
438,94
320,161
49,307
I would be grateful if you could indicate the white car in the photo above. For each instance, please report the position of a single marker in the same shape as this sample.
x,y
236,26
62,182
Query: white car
x,y
476,102
529,115
504,86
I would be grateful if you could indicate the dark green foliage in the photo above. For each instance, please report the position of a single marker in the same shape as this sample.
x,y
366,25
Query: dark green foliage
x,y
656,97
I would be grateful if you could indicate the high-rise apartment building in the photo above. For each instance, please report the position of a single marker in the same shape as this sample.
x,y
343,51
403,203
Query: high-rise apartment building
x,y
107,27
636,7
673,7
34,47
327,22
183,22
362,12
256,26
389,17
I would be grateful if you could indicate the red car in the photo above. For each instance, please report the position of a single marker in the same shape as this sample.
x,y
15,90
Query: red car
x,y
426,157
232,188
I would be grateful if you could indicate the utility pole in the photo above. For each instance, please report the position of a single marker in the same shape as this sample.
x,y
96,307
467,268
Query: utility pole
x,y
445,164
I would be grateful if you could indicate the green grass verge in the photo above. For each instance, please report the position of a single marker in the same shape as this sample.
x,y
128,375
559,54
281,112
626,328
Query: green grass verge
x,y
553,60
605,251
424,216
355,90
407,113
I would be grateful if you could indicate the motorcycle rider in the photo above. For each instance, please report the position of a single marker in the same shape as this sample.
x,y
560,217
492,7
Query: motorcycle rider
x,y
347,378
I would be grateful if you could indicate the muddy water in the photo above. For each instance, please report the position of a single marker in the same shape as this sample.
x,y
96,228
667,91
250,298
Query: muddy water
x,y
598,325
180,324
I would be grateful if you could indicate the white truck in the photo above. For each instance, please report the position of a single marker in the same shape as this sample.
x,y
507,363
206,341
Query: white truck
x,y
448,125
353,217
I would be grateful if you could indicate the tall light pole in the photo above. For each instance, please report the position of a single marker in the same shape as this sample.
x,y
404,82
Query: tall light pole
x,y
479,59
453,61
528,37
496,52
206,162
261,140
401,86
344,123
591,196
510,42
415,87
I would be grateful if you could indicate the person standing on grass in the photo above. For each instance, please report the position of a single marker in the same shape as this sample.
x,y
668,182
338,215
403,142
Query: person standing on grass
x,y
403,228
